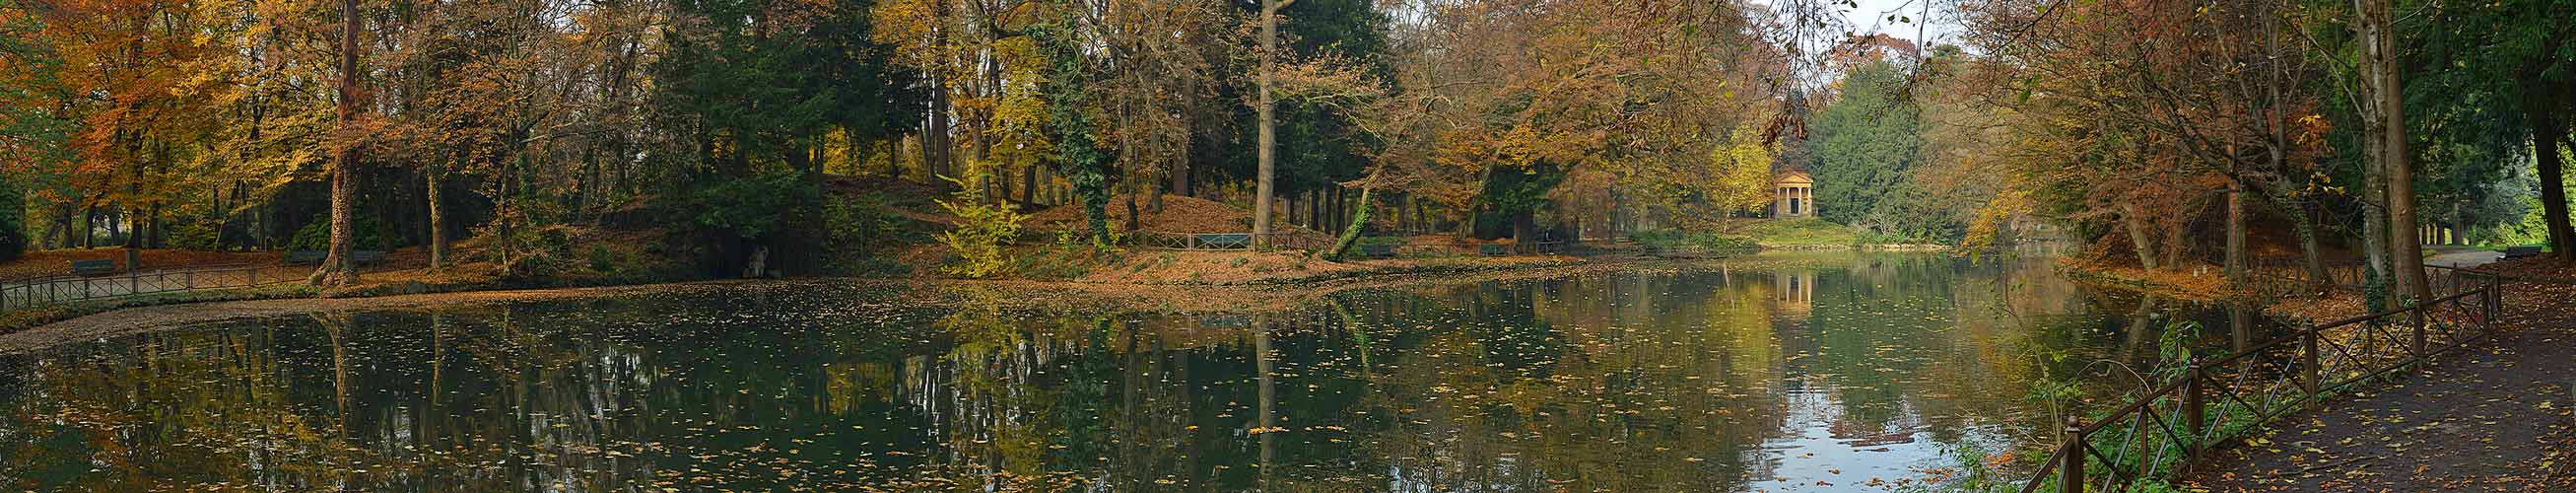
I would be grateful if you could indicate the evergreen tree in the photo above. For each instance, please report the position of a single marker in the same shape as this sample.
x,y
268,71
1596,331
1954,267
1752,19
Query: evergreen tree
x,y
1861,150
754,87
13,229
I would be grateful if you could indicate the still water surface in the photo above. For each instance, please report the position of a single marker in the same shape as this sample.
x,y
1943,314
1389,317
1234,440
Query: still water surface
x,y
1839,372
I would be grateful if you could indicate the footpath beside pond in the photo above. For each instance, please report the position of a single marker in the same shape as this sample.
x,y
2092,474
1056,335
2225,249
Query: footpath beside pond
x,y
2496,416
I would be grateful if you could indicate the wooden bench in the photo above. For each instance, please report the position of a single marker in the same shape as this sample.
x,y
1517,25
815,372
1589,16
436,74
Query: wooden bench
x,y
2521,251
367,257
93,267
305,257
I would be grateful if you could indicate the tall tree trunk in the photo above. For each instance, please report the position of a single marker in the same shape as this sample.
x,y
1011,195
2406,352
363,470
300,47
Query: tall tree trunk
x,y
2177,247
1332,210
2138,240
936,143
160,228
1315,209
437,220
2387,97
2374,211
2553,184
338,268
1351,234
1524,226
1341,208
63,217
2238,262
1132,222
2310,253
1268,134
1290,202
1029,186
1403,212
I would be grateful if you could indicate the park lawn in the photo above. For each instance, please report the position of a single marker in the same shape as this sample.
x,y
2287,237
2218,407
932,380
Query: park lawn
x,y
1799,232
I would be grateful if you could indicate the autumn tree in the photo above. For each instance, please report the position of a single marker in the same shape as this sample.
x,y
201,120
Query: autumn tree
x,y
1155,80
2151,118
1572,109
339,267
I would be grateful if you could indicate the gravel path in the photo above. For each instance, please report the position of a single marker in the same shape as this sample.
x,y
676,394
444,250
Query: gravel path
x,y
2497,416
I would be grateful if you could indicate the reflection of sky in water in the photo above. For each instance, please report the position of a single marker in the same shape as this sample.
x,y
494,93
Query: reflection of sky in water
x,y
1812,456
1737,378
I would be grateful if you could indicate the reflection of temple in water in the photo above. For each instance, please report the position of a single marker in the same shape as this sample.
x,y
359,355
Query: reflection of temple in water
x,y
1794,292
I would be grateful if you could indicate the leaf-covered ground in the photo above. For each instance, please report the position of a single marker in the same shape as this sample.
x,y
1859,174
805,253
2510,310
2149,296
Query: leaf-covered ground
x,y
2498,415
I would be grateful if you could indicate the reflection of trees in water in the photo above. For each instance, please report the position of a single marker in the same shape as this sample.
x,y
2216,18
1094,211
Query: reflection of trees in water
x,y
191,411
1923,343
1607,381
498,401
1645,394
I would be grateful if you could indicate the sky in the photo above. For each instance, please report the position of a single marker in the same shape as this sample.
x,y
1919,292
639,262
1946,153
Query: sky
x,y
1871,17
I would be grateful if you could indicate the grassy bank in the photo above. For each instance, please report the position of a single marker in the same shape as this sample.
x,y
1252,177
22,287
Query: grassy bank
x,y
1800,233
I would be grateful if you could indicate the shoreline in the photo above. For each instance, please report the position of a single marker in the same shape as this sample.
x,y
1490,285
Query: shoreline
x,y
109,318
1152,298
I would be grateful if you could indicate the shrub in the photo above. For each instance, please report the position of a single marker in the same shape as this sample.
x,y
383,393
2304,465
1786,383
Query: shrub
x,y
193,235
860,227
749,206
533,253
603,259
1673,238
982,228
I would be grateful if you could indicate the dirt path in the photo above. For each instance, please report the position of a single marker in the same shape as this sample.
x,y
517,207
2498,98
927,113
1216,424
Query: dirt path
x,y
2461,257
2496,416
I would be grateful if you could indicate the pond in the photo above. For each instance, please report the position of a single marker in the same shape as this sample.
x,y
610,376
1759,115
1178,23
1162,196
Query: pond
x,y
1813,372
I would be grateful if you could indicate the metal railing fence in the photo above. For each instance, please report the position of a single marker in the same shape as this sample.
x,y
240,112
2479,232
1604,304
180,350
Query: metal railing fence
x,y
66,289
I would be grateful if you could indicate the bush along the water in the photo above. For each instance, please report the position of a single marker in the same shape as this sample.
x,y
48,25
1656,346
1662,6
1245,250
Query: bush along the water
x,y
982,228
1670,239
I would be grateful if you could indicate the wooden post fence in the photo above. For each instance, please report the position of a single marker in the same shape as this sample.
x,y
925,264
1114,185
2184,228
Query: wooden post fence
x,y
2255,386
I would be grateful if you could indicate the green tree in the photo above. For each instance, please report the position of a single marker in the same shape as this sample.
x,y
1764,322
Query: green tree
x,y
1862,150
753,88
1316,144
1069,120
2493,81
13,229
